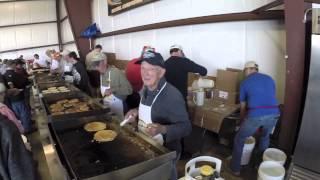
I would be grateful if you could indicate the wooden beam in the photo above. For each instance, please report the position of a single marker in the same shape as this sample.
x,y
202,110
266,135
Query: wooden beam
x,y
295,66
80,17
277,14
268,6
313,1
34,47
133,7
26,24
58,24
17,1
63,19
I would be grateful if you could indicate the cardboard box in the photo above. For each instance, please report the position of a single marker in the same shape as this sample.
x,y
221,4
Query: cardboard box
x,y
209,120
226,97
228,80
212,114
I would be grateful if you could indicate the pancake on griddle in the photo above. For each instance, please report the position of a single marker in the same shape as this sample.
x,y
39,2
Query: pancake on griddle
x,y
105,136
95,126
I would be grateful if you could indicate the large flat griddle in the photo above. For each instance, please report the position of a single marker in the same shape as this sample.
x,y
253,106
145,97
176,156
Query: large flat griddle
x,y
123,157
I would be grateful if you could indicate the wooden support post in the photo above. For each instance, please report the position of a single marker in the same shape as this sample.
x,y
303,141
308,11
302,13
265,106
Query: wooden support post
x,y
295,66
79,14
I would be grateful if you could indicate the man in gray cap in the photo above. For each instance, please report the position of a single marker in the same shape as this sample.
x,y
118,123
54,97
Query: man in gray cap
x,y
114,85
162,111
93,74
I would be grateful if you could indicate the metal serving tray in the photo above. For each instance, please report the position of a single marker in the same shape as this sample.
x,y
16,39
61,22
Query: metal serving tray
x,y
45,77
44,86
95,107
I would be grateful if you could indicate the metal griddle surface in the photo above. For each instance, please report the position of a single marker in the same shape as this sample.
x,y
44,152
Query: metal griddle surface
x,y
89,159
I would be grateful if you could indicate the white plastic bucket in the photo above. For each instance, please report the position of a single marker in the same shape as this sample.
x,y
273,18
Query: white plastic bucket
x,y
273,154
270,170
247,150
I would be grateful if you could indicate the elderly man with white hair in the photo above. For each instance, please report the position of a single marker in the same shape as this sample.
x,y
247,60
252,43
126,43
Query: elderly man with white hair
x,y
258,108
114,85
162,111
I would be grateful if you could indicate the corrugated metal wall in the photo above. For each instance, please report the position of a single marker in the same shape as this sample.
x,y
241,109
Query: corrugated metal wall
x,y
216,45
66,31
25,12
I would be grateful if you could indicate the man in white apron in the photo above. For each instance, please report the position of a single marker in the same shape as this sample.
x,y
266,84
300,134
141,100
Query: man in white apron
x,y
66,66
162,112
113,84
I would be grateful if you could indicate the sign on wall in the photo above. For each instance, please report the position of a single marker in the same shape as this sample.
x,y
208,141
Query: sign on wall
x,y
118,6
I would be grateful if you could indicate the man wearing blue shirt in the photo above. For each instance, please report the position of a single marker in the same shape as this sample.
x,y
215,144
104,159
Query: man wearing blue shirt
x,y
258,108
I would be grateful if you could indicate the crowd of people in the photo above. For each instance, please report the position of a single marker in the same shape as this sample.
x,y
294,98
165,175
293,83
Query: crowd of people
x,y
151,93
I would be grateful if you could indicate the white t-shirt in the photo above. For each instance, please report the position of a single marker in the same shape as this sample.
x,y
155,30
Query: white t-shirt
x,y
54,64
66,66
42,62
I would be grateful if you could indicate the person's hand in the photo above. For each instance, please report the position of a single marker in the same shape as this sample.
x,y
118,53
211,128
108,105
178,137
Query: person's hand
x,y
107,92
133,113
155,128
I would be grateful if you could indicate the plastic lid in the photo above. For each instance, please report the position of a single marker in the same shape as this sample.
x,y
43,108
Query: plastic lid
x,y
206,170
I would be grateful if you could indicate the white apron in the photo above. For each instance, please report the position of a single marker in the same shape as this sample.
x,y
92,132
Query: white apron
x,y
145,117
67,68
115,104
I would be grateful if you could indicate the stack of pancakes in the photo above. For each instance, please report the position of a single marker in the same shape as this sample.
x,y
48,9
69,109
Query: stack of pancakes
x,y
68,106
53,90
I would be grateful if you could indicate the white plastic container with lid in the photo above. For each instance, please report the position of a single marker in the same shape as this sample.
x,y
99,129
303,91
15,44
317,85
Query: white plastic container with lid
x,y
273,154
270,170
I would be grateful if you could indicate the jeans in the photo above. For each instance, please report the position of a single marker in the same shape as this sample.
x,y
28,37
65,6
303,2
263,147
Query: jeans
x,y
23,113
248,128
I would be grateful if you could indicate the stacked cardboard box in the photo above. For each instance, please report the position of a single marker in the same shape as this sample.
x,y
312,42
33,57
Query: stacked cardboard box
x,y
211,115
227,86
225,102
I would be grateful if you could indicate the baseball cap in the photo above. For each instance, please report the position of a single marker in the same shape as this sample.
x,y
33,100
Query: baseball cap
x,y
49,52
251,64
96,56
153,58
176,46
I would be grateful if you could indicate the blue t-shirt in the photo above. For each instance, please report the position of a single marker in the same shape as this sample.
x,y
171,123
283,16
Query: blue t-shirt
x,y
259,92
